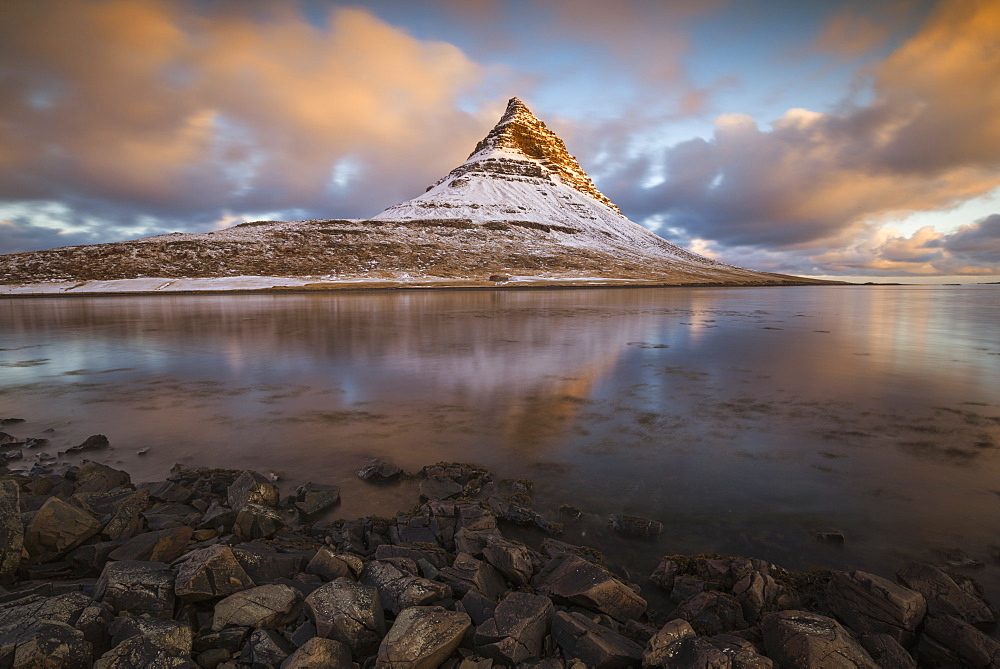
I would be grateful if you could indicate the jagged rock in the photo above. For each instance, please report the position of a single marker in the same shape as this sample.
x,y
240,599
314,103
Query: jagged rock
x,y
56,529
91,443
210,572
479,607
95,477
972,647
348,612
399,591
510,559
437,557
757,590
213,657
741,653
887,652
329,565
634,526
379,472
439,487
473,541
663,646
712,613
168,491
467,573
127,519
137,588
597,646
218,517
265,648
267,606
318,652
941,591
516,630
251,488
163,516
72,608
554,547
870,604
265,565
255,521
11,529
231,639
315,497
160,546
574,580
422,637
43,643
168,634
808,640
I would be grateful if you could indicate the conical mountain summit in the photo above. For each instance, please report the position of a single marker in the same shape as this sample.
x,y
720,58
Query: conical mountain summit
x,y
519,209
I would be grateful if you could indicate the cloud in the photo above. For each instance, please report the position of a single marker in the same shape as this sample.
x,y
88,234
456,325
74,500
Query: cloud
x,y
929,140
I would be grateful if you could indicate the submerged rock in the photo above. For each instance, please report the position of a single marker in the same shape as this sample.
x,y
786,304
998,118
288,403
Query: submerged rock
x,y
379,472
91,443
634,526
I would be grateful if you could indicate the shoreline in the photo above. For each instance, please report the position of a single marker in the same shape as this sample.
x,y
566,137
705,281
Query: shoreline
x,y
229,568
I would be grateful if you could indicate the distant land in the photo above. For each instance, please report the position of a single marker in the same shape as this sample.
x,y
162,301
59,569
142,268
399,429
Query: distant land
x,y
520,211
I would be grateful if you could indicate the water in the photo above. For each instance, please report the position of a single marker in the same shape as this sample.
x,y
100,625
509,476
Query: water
x,y
744,419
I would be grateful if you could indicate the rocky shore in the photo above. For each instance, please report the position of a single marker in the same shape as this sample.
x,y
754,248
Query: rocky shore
x,y
216,568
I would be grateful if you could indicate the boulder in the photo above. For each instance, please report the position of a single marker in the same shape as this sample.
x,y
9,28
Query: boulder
x,y
808,640
329,565
379,472
210,572
70,608
43,643
474,541
167,491
467,573
757,590
634,526
399,591
137,588
348,612
217,517
251,488
942,592
127,519
265,648
168,634
438,557
319,652
315,497
887,652
479,607
596,645
711,613
265,565
11,530
56,529
255,521
160,546
663,646
972,647
742,654
422,637
266,606
91,443
516,630
439,487
95,477
231,639
511,559
870,604
573,580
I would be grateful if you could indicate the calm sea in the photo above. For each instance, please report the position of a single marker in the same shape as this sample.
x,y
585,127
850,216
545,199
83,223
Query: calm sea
x,y
744,419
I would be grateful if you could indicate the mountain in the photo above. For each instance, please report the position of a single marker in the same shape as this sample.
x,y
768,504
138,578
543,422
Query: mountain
x,y
520,207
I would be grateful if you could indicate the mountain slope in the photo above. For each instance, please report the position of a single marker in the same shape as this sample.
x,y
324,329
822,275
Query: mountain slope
x,y
520,206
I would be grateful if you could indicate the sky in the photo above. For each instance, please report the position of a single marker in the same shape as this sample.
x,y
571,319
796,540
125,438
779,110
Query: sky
x,y
850,139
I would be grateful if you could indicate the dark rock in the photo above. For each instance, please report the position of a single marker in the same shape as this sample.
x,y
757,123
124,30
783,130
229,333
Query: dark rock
x,y
265,565
56,529
315,497
439,487
757,590
663,646
168,634
808,640
161,546
95,477
941,591
517,629
11,421
231,639
302,633
473,541
11,530
479,607
398,591
972,647
329,565
712,613
422,637
265,648
597,646
554,547
870,604
251,488
438,557
887,652
379,472
213,657
511,559
163,516
168,491
317,652
742,653
210,572
137,588
11,456
89,559
218,517
687,586
71,608
267,606
348,612
499,278
43,643
831,537
91,443
569,512
255,521
467,573
572,579
549,526
634,526
127,519
34,442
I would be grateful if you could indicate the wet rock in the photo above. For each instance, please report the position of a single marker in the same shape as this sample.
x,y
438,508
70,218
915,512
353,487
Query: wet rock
x,y
127,520
329,565
11,530
11,456
663,646
554,547
137,588
251,488
56,529
255,521
422,637
742,654
399,591
467,573
941,591
318,652
810,641
91,443
473,541
265,648
348,612
712,613
168,491
43,643
161,546
437,557
634,526
379,472
831,537
266,606
95,477
870,604
218,517
72,608
887,652
163,516
572,579
315,497
516,630
569,512
10,421
511,559
972,647
168,634
6,439
597,646
210,572
439,487
265,565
